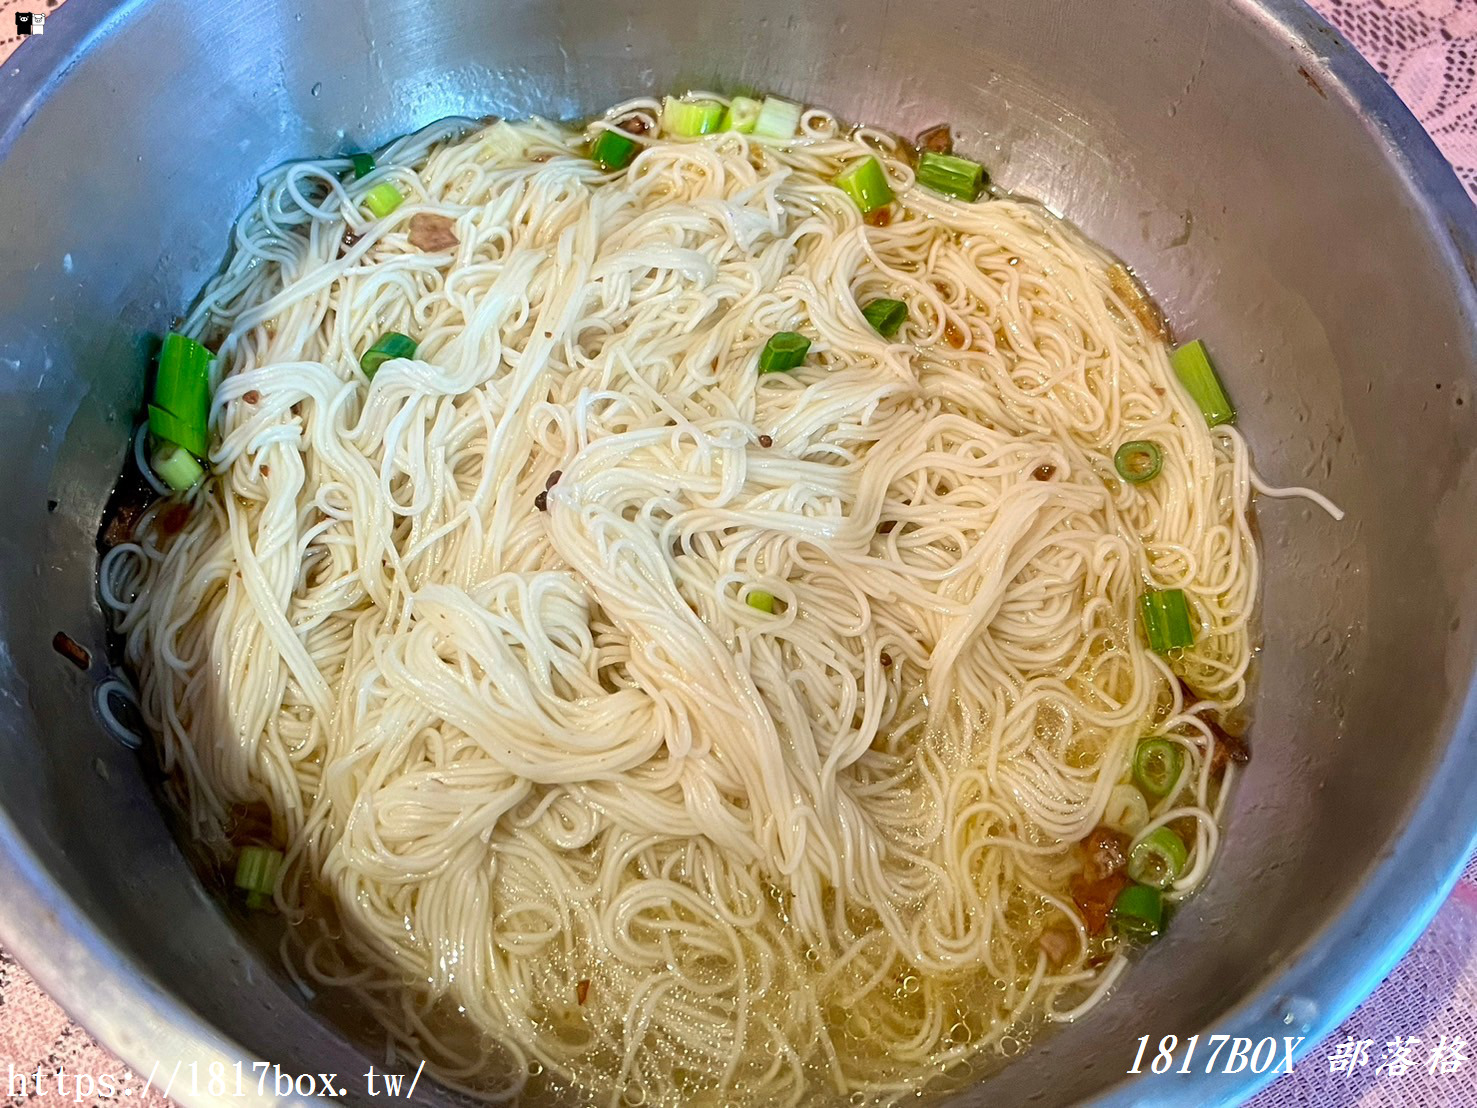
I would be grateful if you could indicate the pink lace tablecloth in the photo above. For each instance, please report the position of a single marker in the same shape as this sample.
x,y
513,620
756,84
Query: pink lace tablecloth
x,y
1413,1041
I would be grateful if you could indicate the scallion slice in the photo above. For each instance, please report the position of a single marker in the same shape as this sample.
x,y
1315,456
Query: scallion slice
x,y
383,199
1157,764
612,150
885,316
1192,365
1158,858
1138,913
784,351
1127,810
176,467
865,181
1138,461
363,165
256,872
689,118
390,345
182,394
778,118
762,600
1165,614
743,114
952,176
168,427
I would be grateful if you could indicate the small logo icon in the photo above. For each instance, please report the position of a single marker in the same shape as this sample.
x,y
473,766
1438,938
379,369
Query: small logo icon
x,y
30,23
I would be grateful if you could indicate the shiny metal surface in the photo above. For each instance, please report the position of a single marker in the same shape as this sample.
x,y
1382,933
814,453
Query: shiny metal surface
x,y
1277,198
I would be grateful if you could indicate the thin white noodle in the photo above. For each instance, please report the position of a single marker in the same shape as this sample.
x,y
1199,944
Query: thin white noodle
x,y
1105,981
1314,495
102,697
110,577
142,462
550,766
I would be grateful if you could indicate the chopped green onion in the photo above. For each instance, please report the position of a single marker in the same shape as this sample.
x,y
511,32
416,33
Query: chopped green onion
x,y
256,868
176,467
1192,365
256,872
392,344
688,118
383,199
168,427
1158,858
1127,810
1138,913
777,118
1165,614
363,165
784,351
613,150
762,600
1157,764
1138,461
865,181
182,394
886,316
184,374
952,176
743,115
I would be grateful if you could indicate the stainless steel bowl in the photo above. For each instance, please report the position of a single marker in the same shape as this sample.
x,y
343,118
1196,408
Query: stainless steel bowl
x,y
1277,197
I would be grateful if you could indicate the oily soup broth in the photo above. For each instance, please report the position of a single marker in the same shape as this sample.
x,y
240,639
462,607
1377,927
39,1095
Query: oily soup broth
x,y
640,727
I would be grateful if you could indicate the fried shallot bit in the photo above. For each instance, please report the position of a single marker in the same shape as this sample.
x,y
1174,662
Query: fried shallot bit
x,y
1057,943
123,512
1186,827
936,140
582,991
634,125
1095,899
172,519
432,233
1106,853
1228,747
1138,301
70,649
1044,472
